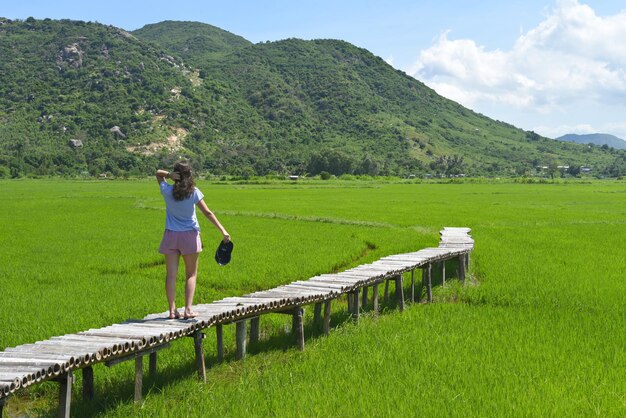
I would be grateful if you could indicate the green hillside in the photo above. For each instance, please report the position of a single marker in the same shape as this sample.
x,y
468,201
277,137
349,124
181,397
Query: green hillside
x,y
87,98
193,41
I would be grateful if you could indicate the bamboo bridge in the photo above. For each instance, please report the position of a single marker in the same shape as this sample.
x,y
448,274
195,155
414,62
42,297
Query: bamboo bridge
x,y
60,357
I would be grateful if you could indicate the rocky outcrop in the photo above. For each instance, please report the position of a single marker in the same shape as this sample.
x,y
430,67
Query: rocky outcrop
x,y
75,143
117,131
71,55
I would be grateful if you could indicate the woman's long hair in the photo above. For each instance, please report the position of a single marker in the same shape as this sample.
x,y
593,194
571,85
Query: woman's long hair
x,y
184,187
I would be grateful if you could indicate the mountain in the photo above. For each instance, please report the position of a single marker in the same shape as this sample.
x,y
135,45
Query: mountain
x,y
81,97
596,139
194,42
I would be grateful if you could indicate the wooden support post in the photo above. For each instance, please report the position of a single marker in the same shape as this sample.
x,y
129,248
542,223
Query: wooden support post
x,y
88,383
429,282
241,339
197,343
364,298
375,298
400,291
65,394
254,329
220,342
350,302
386,296
412,286
138,377
326,327
424,281
462,268
2,401
298,327
317,315
443,272
152,367
355,304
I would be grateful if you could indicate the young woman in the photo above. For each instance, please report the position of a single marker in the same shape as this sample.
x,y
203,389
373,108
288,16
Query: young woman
x,y
182,232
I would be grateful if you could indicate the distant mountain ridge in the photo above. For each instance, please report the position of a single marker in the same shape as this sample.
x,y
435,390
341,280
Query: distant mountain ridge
x,y
86,98
192,41
596,139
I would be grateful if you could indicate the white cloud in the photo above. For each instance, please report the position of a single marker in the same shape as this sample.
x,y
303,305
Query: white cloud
x,y
572,56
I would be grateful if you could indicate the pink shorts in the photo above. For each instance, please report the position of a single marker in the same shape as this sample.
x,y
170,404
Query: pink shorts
x,y
180,242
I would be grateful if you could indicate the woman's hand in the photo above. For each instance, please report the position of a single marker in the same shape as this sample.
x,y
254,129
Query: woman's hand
x,y
174,175
226,237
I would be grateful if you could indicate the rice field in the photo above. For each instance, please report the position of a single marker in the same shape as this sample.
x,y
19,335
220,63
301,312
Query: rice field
x,y
539,330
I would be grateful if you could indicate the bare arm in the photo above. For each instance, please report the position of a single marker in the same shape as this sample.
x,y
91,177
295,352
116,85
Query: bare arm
x,y
211,217
161,175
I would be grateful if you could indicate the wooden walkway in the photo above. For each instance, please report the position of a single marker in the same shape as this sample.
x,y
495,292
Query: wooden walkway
x,y
59,357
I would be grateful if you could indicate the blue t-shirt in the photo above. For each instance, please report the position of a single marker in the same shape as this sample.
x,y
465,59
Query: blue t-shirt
x,y
180,215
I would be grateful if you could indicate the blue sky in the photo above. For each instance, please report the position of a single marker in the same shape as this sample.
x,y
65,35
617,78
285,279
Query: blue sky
x,y
543,65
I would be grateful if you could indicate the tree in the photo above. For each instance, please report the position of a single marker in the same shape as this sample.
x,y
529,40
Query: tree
x,y
553,169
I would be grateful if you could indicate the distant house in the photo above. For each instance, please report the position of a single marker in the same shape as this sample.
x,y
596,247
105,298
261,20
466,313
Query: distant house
x,y
294,177
75,143
584,169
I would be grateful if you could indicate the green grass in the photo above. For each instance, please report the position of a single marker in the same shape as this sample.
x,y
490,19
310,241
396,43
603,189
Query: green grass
x,y
539,330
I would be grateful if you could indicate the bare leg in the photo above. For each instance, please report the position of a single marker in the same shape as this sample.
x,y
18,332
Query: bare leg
x,y
171,264
191,271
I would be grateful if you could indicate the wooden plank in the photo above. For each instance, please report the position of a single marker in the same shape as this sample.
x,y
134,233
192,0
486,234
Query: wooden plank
x,y
95,341
18,379
144,339
20,372
319,285
52,347
50,367
64,361
315,289
88,387
22,353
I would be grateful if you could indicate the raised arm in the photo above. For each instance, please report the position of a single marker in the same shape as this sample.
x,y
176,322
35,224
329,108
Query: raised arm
x,y
211,217
161,175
